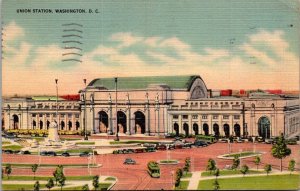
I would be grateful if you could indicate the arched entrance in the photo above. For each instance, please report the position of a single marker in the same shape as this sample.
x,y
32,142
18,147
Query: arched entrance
x,y
196,128
226,130
176,129
186,129
237,130
77,125
62,125
121,128
15,121
216,130
264,127
139,122
41,124
103,122
70,125
34,124
48,124
205,129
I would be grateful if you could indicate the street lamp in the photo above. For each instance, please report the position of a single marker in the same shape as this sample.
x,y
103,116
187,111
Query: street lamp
x,y
117,134
84,117
56,84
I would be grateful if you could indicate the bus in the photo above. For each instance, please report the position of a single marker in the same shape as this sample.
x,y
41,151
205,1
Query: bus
x,y
208,139
153,169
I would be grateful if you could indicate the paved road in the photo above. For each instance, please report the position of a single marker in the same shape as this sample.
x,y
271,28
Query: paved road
x,y
135,177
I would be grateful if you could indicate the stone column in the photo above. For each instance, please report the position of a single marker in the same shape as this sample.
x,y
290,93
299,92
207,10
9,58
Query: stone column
x,y
200,124
190,124
128,121
180,123
147,115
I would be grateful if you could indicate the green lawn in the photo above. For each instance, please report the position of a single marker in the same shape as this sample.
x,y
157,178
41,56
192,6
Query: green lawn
x,y
231,172
242,154
12,147
110,178
102,185
5,142
85,143
187,175
183,185
271,182
168,161
20,186
75,151
23,178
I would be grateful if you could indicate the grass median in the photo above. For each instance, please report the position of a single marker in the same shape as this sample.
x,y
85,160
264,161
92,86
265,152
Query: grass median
x,y
271,182
231,172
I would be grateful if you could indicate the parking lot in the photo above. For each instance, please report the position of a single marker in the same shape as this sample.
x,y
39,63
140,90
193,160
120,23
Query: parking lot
x,y
135,176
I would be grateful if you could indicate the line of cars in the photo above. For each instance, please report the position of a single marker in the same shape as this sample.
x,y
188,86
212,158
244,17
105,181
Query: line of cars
x,y
46,153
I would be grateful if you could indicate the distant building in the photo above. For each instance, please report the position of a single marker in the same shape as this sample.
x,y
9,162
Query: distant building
x,y
160,105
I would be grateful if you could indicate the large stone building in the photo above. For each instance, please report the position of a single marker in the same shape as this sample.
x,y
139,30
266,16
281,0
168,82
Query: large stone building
x,y
160,105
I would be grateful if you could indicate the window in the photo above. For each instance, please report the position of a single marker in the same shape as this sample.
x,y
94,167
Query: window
x,y
77,115
40,115
195,116
33,115
185,116
225,116
62,115
46,106
69,107
40,106
69,115
47,115
175,116
215,116
236,117
54,115
61,107
204,116
33,106
53,106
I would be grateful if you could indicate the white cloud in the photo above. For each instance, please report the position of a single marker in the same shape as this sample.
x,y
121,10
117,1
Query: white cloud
x,y
12,31
125,39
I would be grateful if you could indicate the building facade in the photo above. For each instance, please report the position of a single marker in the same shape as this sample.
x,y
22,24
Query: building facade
x,y
157,106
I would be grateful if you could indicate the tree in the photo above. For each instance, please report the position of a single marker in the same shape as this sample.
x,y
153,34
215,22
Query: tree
x,y
85,187
292,164
58,173
96,182
8,170
257,161
211,165
36,186
34,169
268,168
178,176
216,185
187,165
244,169
50,184
217,173
236,162
280,150
61,181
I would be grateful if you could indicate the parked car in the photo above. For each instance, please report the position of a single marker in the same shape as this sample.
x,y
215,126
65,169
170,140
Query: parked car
x,y
84,154
161,147
269,141
187,145
178,146
51,153
200,144
130,151
43,153
223,140
239,140
129,161
8,151
25,152
150,149
65,154
170,146
260,139
291,141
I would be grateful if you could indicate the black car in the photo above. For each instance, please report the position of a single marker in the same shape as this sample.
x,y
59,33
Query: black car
x,y
84,154
129,161
187,145
43,153
25,152
200,144
65,154
8,151
51,153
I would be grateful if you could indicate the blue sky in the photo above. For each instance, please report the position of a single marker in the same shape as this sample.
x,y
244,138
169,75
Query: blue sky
x,y
234,44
